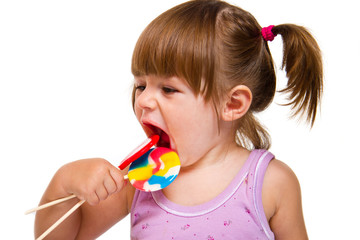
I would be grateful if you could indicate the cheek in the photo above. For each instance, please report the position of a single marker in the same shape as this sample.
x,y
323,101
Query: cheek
x,y
193,124
183,119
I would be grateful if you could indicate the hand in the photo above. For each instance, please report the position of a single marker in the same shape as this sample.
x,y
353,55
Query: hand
x,y
92,180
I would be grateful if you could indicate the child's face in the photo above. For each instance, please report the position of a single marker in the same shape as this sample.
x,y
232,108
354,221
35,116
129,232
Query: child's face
x,y
167,106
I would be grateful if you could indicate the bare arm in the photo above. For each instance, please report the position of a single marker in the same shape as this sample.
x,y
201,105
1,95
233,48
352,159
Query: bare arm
x,y
282,202
93,180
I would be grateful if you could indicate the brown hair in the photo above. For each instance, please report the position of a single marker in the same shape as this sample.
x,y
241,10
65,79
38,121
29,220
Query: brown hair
x,y
215,46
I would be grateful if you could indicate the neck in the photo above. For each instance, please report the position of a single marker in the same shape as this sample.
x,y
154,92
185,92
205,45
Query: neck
x,y
207,177
216,157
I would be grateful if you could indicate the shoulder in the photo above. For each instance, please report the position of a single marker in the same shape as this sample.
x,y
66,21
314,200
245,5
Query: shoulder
x,y
279,177
282,200
279,180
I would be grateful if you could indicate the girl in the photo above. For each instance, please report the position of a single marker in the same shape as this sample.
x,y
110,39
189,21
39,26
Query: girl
x,y
202,70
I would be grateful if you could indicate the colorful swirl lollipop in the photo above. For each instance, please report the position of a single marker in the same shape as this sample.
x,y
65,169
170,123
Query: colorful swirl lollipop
x,y
154,170
151,169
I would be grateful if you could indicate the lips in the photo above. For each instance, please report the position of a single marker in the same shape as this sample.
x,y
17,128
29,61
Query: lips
x,y
164,140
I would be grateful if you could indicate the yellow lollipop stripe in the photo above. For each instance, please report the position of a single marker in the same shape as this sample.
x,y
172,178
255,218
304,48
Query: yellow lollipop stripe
x,y
170,160
139,174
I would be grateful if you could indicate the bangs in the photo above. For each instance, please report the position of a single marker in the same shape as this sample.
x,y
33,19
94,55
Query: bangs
x,y
180,42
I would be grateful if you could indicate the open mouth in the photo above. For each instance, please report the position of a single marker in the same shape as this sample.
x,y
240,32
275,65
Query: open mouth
x,y
164,140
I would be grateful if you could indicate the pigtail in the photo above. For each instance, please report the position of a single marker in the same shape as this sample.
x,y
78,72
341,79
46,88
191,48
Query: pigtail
x,y
303,65
251,134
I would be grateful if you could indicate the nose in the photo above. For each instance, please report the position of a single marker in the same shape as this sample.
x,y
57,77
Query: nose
x,y
146,99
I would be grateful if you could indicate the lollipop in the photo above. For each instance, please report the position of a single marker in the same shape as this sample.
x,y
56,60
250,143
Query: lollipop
x,y
151,169
154,170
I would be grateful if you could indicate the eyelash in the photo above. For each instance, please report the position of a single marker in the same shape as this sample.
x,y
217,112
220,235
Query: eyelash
x,y
166,90
169,90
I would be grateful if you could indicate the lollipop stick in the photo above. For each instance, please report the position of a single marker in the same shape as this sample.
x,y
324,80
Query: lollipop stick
x,y
50,204
68,213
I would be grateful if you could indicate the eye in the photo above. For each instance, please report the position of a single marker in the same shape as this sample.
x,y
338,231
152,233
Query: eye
x,y
168,90
140,87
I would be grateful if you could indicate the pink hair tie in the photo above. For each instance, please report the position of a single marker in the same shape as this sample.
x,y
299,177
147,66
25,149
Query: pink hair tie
x,y
267,34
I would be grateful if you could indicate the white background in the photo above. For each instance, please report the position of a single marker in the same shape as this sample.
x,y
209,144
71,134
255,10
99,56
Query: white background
x,y
65,85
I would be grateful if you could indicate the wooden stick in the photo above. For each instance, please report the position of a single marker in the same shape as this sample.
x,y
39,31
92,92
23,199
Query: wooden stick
x,y
50,204
68,213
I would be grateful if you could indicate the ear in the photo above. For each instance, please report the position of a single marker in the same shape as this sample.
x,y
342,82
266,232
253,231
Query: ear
x,y
237,103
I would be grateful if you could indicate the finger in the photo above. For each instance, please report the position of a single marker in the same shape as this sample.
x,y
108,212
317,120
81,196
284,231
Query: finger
x,y
102,193
93,199
110,185
118,178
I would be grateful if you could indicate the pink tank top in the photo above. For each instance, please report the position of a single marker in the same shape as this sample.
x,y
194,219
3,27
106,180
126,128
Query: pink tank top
x,y
236,213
